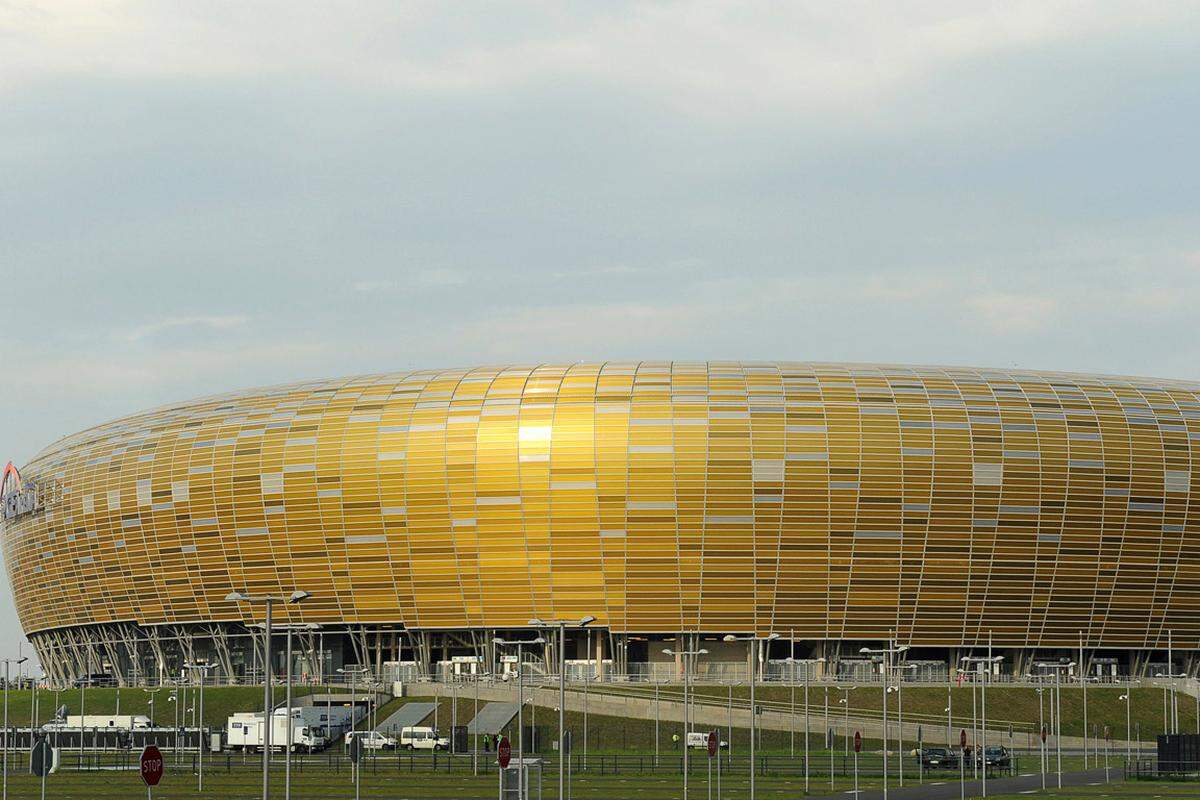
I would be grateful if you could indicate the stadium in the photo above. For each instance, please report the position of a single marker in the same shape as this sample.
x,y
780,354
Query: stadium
x,y
835,506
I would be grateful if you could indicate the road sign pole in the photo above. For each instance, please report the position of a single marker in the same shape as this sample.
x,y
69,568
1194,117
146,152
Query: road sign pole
x,y
857,749
151,766
962,764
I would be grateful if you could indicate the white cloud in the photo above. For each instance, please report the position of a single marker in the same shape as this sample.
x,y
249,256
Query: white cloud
x,y
706,58
1012,313
202,322
129,372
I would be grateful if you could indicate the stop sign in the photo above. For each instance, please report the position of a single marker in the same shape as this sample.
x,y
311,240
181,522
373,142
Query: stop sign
x,y
152,765
504,752
713,743
857,742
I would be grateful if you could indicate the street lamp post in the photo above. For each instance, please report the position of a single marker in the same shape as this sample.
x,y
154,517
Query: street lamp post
x,y
807,679
1056,705
900,713
1171,711
693,654
204,668
1128,698
983,666
7,663
562,686
885,658
949,709
297,596
1041,739
755,643
843,701
522,790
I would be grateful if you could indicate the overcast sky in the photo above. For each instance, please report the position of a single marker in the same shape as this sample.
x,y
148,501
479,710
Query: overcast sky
x,y
196,197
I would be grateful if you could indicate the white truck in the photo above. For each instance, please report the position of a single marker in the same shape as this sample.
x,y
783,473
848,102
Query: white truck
x,y
244,731
331,721
115,722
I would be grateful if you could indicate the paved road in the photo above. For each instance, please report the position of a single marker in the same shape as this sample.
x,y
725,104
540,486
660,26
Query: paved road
x,y
950,790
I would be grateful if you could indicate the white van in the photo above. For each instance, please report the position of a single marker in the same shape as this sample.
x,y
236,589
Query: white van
x,y
371,740
698,740
422,739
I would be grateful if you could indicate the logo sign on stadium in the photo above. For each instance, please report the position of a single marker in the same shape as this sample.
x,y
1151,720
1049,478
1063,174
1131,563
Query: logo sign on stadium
x,y
17,498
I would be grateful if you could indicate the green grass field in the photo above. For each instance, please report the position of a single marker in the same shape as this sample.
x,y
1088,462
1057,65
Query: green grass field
x,y
1017,705
389,777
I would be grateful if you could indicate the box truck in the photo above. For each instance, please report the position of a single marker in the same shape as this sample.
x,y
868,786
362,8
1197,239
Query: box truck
x,y
244,731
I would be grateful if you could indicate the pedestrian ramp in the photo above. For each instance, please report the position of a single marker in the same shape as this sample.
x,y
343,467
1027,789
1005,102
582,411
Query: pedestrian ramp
x,y
407,716
492,718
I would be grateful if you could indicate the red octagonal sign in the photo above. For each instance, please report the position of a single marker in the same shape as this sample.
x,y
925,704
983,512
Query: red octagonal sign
x,y
504,752
152,765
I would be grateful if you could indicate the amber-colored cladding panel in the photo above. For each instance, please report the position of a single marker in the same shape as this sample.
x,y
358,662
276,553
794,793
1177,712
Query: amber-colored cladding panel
x,y
837,501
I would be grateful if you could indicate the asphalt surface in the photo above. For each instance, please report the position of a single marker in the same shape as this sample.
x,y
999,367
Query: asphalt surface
x,y
950,789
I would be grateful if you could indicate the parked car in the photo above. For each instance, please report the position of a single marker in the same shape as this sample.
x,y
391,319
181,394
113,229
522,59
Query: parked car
x,y
997,757
939,758
95,679
371,740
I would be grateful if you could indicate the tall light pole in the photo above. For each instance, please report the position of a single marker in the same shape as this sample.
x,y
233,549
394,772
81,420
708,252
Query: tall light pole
x,y
1056,704
152,692
949,709
754,642
520,644
203,668
7,663
983,666
885,659
807,679
1128,699
298,596
562,625
844,701
900,713
475,744
693,654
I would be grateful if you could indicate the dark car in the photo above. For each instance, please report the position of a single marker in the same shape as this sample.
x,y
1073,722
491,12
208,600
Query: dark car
x,y
95,679
997,757
938,758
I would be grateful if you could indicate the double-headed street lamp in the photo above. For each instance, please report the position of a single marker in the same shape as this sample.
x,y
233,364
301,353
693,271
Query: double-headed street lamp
x,y
980,664
693,654
562,625
885,660
807,678
297,596
1171,712
203,668
753,641
523,790
1056,705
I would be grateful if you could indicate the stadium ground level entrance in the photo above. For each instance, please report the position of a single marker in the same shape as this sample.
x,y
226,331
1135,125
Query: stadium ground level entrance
x,y
130,654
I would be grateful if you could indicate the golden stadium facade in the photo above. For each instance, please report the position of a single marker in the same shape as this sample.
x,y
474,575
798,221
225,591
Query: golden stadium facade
x,y
833,504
